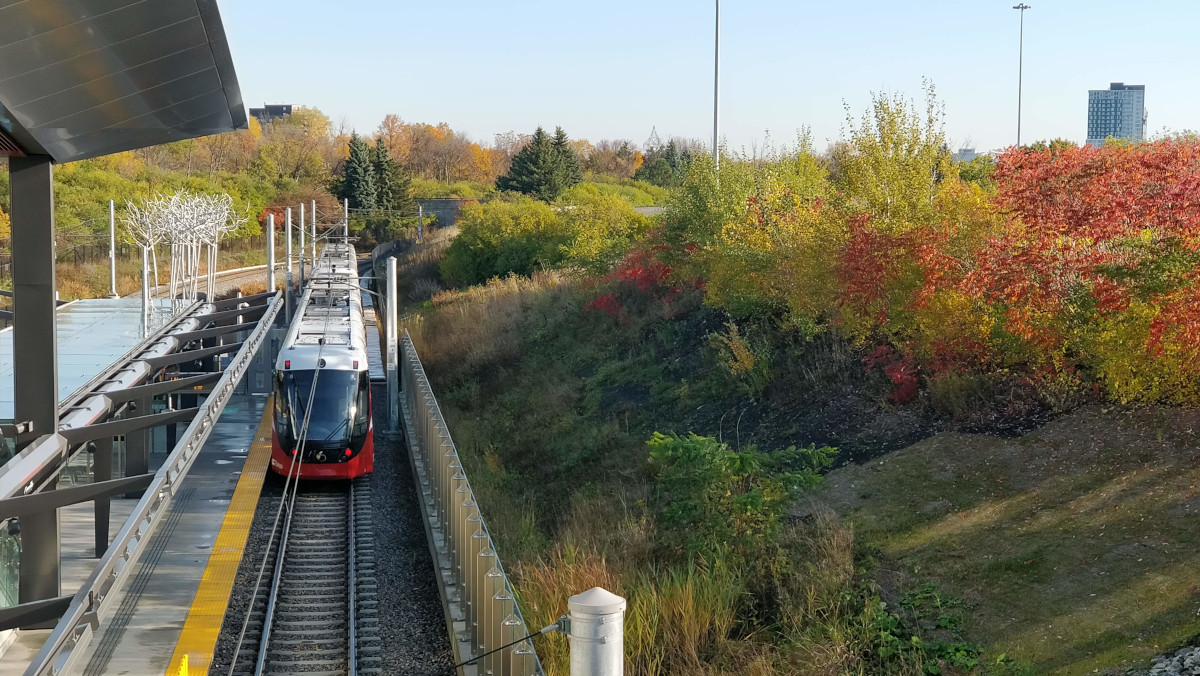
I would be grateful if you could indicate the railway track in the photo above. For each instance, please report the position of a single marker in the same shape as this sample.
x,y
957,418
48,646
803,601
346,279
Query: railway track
x,y
315,611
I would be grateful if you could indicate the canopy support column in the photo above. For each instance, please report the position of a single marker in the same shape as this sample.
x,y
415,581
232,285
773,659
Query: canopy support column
x,y
35,374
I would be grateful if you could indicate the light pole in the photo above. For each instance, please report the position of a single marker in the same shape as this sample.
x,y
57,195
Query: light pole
x,y
1020,66
717,87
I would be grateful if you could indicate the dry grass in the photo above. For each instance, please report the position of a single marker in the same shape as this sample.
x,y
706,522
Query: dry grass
x,y
1075,543
252,288
417,271
91,280
481,325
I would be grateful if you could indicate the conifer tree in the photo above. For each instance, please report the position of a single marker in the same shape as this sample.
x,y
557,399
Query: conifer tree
x,y
360,187
393,186
569,172
544,168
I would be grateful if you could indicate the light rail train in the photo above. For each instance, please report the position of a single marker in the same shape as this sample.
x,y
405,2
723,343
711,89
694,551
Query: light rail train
x,y
323,427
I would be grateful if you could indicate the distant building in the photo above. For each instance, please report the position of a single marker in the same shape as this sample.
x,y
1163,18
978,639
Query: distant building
x,y
271,112
1117,112
964,155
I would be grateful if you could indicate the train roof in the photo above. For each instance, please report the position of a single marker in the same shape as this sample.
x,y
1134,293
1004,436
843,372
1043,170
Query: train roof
x,y
329,322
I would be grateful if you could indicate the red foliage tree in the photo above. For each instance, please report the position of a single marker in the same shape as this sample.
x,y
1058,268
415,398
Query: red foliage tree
x,y
1092,229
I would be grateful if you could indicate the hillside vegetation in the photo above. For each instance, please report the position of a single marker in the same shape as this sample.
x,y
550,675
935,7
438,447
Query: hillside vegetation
x,y
648,424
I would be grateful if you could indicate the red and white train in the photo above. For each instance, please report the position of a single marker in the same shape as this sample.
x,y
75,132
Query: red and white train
x,y
323,427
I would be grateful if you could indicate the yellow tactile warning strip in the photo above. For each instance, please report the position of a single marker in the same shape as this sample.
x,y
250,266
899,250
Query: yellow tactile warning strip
x,y
199,636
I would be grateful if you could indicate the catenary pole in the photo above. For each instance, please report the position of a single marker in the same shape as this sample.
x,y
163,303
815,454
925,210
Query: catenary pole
x,y
112,249
271,253
1020,65
302,245
287,276
717,89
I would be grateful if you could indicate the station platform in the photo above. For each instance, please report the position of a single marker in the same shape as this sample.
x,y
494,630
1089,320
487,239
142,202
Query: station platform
x,y
176,598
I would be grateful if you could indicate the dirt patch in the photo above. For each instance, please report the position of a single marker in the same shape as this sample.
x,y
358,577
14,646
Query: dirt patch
x,y
1075,543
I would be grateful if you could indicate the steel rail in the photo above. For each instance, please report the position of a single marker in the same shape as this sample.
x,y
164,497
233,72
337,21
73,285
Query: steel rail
x,y
264,641
351,582
312,590
67,642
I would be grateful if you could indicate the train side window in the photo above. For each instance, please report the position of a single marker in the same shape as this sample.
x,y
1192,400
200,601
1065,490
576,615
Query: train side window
x,y
281,405
363,404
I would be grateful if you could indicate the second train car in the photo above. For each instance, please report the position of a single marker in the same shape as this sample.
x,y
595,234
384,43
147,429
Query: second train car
x,y
323,426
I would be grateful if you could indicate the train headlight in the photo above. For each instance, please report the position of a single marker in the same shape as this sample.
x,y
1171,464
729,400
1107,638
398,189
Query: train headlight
x,y
348,453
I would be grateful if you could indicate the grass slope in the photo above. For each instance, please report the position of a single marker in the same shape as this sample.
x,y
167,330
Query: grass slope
x,y
1074,546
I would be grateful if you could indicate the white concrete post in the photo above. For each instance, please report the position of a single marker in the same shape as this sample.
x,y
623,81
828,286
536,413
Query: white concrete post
x,y
301,245
112,248
390,361
597,633
346,217
270,253
420,222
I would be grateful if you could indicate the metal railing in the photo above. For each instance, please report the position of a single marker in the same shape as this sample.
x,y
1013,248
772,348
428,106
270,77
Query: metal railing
x,y
479,601
93,603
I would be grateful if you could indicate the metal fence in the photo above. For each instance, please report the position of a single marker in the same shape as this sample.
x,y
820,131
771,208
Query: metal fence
x,y
479,599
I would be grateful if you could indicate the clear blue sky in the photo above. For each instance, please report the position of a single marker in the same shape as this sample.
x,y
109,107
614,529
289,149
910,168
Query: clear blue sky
x,y
614,69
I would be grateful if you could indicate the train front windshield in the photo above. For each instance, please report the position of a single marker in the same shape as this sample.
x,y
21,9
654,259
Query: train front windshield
x,y
339,406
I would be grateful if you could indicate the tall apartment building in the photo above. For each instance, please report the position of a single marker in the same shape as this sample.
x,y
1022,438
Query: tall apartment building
x,y
1119,112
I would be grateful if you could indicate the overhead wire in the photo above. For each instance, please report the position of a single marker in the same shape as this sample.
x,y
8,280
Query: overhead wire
x,y
292,484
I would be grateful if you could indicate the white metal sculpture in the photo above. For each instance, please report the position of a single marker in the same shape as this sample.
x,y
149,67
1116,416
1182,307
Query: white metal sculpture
x,y
192,225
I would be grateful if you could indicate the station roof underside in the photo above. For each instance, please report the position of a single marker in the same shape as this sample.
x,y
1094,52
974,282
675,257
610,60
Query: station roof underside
x,y
84,78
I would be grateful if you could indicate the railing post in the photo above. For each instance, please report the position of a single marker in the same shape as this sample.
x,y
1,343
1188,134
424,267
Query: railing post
x,y
597,633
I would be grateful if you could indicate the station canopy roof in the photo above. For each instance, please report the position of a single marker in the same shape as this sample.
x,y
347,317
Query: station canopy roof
x,y
84,78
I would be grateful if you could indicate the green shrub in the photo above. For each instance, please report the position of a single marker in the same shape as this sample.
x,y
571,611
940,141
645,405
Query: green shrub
x,y
637,193
502,238
523,235
602,228
424,188
712,501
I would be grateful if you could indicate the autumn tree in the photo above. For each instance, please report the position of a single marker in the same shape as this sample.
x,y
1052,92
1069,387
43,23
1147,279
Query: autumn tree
x,y
892,161
296,147
614,158
394,132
